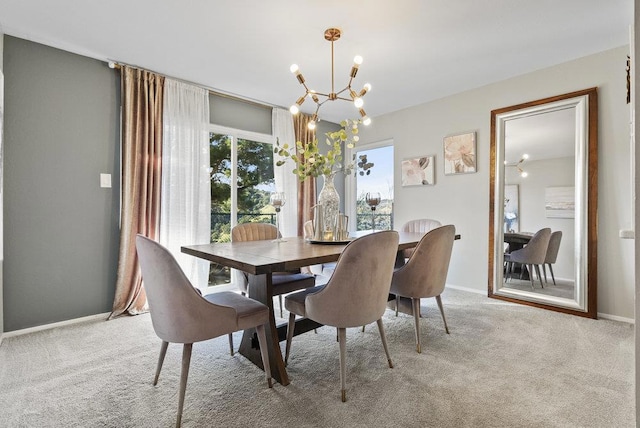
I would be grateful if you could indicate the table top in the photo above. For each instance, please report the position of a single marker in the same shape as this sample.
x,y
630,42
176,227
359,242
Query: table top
x,y
517,237
260,257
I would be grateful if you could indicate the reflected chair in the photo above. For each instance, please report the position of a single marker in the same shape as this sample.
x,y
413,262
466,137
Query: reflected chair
x,y
552,254
422,225
355,295
283,282
425,274
179,313
532,255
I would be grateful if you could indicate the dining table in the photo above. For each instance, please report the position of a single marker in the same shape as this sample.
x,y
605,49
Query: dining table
x,y
259,260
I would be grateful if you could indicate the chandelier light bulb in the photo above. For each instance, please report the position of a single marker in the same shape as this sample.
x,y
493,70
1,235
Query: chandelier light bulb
x,y
294,109
312,124
523,174
525,156
366,121
358,102
367,87
294,68
357,60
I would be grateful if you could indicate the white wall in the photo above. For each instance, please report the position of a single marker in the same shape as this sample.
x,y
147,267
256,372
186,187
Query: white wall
x,y
1,181
463,200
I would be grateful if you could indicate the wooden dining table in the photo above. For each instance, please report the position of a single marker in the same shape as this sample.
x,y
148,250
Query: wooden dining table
x,y
260,259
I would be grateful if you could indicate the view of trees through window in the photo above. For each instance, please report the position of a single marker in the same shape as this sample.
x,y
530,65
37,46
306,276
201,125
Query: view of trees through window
x,y
255,182
380,180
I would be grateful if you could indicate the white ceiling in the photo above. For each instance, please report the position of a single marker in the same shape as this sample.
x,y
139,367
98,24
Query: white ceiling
x,y
414,50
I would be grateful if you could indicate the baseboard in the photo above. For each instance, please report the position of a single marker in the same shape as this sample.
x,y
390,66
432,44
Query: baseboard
x,y
14,333
467,289
616,318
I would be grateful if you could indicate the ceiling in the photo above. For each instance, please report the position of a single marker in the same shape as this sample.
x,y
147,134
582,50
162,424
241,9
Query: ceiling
x,y
414,50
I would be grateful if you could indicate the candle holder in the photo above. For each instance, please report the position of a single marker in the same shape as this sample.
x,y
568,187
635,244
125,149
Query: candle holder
x,y
373,200
277,200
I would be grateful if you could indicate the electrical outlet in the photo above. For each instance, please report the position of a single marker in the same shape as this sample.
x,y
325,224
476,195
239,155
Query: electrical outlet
x,y
627,234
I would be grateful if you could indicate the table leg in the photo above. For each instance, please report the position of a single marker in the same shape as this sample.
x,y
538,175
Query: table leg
x,y
261,289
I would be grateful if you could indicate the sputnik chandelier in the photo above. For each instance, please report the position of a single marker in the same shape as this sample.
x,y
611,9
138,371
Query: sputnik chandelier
x,y
331,35
518,165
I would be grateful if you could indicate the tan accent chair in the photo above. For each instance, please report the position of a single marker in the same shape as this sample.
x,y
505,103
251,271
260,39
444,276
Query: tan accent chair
x,y
283,282
179,313
425,274
355,295
532,255
552,254
422,225
323,271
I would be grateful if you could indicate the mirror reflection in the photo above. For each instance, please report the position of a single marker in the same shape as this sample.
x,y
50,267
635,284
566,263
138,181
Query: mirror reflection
x,y
543,198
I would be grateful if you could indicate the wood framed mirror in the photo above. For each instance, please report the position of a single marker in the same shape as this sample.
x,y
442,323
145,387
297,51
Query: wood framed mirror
x,y
544,174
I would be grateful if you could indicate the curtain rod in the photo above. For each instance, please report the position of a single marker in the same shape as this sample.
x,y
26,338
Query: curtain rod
x,y
118,66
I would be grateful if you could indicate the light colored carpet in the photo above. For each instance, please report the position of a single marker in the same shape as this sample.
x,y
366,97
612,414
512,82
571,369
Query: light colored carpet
x,y
503,365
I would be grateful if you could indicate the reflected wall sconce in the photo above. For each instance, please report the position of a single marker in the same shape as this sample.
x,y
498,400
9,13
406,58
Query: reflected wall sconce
x,y
332,35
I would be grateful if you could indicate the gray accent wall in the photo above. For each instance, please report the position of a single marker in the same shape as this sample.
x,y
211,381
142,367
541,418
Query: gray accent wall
x,y
61,228
239,114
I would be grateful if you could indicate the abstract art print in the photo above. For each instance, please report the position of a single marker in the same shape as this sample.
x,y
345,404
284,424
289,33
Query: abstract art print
x,y
511,214
559,202
418,171
460,153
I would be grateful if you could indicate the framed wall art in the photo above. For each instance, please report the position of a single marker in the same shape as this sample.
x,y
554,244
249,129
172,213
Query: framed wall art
x,y
460,153
418,171
559,202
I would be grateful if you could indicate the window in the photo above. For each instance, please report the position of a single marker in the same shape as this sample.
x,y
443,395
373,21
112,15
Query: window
x,y
246,159
380,180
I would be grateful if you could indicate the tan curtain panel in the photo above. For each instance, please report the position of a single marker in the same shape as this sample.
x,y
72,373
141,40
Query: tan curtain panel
x,y
306,188
141,93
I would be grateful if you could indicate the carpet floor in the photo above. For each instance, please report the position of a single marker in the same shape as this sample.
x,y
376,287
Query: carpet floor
x,y
503,365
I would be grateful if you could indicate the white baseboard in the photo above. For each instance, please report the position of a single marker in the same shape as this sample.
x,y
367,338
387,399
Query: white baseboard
x,y
616,318
14,333
470,290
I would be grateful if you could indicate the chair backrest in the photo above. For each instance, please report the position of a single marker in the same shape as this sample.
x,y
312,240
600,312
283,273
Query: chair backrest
x,y
425,274
358,290
536,249
179,313
308,229
554,246
253,232
420,225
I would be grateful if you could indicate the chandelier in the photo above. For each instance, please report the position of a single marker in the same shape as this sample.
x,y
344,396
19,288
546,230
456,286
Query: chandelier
x,y
518,165
331,35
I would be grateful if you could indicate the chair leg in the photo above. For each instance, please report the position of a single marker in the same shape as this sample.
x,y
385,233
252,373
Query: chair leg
x,y
539,276
530,267
290,327
397,303
363,328
439,300
416,316
163,352
552,277
184,374
384,342
544,272
281,306
264,353
231,343
342,338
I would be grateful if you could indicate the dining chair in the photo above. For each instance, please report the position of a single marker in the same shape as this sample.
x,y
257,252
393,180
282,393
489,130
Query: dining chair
x,y
283,282
425,274
180,314
531,255
422,225
355,295
552,254
322,272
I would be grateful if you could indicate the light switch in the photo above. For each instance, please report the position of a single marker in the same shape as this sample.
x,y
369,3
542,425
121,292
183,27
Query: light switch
x,y
105,180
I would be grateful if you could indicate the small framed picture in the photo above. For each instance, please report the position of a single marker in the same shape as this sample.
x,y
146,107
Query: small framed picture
x,y
460,153
418,171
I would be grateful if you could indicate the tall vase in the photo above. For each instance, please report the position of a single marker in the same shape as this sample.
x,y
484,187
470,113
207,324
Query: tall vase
x,y
330,200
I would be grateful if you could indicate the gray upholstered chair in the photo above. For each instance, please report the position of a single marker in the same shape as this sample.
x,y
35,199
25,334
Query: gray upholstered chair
x,y
425,274
179,313
422,225
283,282
355,295
532,255
552,254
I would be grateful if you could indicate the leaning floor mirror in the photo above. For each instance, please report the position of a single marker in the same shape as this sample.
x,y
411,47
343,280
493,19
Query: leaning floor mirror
x,y
543,203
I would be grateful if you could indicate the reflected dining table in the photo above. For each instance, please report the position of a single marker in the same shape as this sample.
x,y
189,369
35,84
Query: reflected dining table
x,y
260,259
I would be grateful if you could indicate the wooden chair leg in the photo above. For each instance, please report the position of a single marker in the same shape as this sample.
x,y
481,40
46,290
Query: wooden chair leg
x,y
231,343
290,327
163,352
342,339
184,374
439,300
416,316
384,342
264,353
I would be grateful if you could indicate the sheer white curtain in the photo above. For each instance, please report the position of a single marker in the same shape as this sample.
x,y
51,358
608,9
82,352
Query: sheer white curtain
x,y
286,180
185,216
